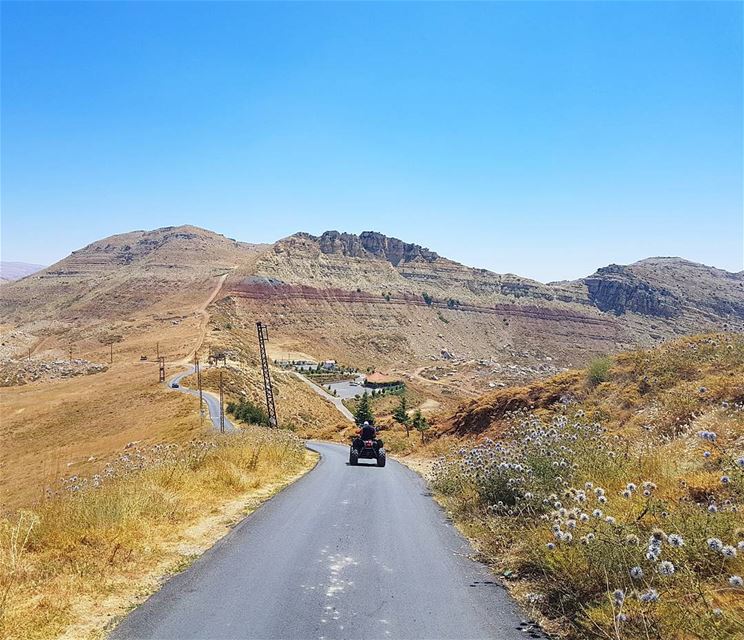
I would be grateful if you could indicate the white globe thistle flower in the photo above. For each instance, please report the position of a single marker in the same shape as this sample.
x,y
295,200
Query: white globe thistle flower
x,y
676,540
590,536
631,539
571,524
717,613
665,568
610,520
725,479
736,581
652,595
550,546
636,573
626,494
740,462
584,517
706,454
728,552
597,513
602,499
712,508
618,595
714,544
631,487
621,617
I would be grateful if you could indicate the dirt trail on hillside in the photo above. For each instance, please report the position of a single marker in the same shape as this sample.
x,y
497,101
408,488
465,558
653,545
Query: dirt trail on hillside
x,y
202,311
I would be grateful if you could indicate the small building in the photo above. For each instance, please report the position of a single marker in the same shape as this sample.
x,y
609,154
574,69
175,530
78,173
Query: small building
x,y
329,365
382,381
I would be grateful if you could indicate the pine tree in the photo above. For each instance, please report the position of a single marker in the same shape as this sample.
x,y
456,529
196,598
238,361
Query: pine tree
x,y
401,415
363,412
420,423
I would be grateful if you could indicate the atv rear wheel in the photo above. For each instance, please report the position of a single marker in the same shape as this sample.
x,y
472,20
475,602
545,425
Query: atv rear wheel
x,y
353,457
381,459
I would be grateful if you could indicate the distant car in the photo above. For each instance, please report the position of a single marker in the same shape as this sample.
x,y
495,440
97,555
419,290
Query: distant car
x,y
143,357
174,385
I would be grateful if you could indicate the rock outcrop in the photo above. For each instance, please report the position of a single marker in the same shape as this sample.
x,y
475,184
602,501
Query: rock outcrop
x,y
616,289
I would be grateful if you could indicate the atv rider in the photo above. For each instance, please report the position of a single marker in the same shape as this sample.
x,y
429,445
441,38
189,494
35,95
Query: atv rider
x,y
366,432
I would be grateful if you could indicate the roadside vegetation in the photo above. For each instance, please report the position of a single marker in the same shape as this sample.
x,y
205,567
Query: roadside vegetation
x,y
101,543
611,499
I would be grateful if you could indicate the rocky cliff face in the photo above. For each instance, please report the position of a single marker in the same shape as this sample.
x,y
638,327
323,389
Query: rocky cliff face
x,y
616,289
372,243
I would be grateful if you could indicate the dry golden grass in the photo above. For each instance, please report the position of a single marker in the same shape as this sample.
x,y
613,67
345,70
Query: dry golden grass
x,y
652,407
81,558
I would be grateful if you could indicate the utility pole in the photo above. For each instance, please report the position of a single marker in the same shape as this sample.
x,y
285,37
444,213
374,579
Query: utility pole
x,y
157,349
161,362
198,382
222,406
263,335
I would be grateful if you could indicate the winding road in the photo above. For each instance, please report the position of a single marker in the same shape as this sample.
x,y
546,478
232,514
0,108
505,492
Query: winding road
x,y
212,401
345,552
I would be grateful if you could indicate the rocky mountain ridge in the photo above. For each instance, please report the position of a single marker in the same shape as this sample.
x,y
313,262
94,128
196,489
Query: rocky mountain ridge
x,y
369,297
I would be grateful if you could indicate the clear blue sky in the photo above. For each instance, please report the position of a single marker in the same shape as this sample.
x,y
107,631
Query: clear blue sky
x,y
544,139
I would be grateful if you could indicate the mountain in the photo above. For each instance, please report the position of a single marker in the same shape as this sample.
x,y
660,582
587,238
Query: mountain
x,y
371,301
123,274
10,271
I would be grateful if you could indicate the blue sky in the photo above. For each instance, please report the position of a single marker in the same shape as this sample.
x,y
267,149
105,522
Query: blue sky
x,y
544,139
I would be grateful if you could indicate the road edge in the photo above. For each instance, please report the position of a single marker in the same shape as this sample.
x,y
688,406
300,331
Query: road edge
x,y
232,514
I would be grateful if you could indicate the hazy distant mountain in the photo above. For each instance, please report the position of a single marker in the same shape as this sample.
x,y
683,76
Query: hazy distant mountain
x,y
16,270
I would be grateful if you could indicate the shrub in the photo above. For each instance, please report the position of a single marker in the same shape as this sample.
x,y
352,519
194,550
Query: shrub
x,y
599,370
248,412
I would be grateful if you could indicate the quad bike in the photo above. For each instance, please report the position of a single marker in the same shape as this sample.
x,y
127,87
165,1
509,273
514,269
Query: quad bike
x,y
368,450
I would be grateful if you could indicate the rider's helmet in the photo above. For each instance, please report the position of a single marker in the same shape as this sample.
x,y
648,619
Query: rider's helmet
x,y
366,423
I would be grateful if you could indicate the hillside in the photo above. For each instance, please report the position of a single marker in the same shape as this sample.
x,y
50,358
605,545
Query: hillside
x,y
380,302
610,498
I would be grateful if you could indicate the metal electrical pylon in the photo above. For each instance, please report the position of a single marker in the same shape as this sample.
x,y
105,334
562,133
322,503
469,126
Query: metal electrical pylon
x,y
263,336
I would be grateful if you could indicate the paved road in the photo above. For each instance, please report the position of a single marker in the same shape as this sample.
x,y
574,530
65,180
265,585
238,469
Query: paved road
x,y
324,394
345,552
212,401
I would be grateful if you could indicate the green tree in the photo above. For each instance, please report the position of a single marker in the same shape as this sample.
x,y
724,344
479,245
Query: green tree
x,y
427,298
363,411
420,423
401,415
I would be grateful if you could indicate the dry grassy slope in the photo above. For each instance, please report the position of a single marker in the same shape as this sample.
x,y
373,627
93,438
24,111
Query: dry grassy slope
x,y
667,385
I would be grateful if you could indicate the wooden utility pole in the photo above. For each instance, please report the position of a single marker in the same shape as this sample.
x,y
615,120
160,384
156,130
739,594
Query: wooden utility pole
x,y
161,362
222,407
157,349
197,369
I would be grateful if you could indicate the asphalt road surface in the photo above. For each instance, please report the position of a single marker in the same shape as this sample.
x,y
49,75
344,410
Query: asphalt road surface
x,y
212,402
344,552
